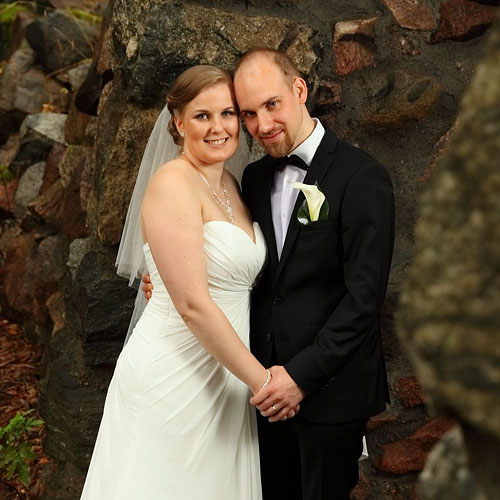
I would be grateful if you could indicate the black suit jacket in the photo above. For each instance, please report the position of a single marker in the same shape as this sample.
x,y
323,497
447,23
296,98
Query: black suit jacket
x,y
319,304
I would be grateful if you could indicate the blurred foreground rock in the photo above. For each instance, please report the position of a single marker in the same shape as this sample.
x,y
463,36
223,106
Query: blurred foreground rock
x,y
450,306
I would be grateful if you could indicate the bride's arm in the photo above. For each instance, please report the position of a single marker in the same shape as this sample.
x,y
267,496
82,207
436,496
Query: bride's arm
x,y
173,227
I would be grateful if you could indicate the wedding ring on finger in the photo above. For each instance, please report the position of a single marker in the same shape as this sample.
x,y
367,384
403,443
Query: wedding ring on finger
x,y
274,407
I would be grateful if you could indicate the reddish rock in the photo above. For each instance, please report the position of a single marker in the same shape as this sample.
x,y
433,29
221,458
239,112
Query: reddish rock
x,y
48,205
9,229
19,292
411,14
104,53
61,204
51,173
7,195
380,420
87,181
75,125
430,433
400,457
462,20
354,45
409,391
32,272
409,454
363,488
56,307
439,150
8,149
105,93
45,271
74,212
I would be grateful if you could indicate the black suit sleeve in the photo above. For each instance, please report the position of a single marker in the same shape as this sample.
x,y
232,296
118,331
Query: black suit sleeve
x,y
367,216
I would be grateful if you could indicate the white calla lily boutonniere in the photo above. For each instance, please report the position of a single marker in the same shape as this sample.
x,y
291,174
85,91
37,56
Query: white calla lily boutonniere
x,y
315,206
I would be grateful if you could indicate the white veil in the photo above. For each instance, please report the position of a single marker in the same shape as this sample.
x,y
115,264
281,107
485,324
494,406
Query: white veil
x,y
160,148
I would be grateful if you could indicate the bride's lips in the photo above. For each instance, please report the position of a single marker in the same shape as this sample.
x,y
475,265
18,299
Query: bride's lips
x,y
272,137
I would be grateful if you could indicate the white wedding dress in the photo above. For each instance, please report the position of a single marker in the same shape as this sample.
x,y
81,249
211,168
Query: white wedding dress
x,y
177,425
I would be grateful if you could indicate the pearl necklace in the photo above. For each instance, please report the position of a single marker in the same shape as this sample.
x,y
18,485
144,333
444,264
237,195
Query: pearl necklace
x,y
226,204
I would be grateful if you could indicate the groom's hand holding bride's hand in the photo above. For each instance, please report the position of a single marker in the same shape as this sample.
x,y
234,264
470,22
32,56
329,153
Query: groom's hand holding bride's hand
x,y
280,399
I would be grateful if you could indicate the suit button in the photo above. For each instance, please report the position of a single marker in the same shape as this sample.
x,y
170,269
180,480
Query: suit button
x,y
268,336
277,300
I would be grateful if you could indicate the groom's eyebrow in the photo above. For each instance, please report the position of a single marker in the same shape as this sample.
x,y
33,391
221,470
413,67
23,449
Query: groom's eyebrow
x,y
267,101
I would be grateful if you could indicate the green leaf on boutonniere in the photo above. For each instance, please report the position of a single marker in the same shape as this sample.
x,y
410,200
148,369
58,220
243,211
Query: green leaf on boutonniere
x,y
303,213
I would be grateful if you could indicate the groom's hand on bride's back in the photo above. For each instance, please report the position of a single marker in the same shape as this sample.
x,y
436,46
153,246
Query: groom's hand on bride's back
x,y
147,286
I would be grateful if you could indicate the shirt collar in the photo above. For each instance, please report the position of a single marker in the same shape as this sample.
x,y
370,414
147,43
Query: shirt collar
x,y
307,149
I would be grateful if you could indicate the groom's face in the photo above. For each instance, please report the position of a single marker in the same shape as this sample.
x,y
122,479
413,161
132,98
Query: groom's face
x,y
270,106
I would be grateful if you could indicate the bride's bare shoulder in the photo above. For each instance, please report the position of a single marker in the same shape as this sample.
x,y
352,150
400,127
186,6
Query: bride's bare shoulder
x,y
175,172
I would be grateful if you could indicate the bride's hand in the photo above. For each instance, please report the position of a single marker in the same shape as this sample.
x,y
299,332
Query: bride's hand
x,y
291,413
147,286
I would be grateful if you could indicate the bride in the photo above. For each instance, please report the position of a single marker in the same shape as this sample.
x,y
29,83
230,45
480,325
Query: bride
x,y
177,423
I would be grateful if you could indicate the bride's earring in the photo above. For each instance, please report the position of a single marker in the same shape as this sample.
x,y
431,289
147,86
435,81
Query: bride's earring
x,y
181,134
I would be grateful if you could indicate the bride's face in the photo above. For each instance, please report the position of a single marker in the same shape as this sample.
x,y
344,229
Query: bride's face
x,y
210,124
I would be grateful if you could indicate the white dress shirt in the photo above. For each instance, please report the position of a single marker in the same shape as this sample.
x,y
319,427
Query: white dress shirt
x,y
283,195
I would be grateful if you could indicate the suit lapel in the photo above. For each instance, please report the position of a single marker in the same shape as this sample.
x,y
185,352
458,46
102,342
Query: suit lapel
x,y
315,173
266,219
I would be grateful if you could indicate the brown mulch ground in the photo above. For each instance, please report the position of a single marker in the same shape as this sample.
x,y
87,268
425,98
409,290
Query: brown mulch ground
x,y
19,373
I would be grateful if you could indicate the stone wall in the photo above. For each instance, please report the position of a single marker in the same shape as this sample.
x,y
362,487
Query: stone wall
x,y
386,75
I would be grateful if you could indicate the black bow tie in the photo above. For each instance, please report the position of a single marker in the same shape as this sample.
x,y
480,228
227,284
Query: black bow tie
x,y
280,163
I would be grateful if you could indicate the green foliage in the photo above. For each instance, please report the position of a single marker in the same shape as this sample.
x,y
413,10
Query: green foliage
x,y
16,453
5,174
8,14
9,11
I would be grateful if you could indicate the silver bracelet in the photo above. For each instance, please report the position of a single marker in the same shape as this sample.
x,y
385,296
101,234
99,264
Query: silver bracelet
x,y
268,379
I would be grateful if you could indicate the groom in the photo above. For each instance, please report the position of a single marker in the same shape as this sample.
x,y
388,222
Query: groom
x,y
315,310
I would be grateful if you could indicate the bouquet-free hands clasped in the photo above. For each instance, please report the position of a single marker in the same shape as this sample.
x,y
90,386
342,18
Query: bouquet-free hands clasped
x,y
279,397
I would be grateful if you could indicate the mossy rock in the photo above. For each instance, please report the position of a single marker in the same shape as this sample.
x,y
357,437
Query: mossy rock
x,y
8,14
5,174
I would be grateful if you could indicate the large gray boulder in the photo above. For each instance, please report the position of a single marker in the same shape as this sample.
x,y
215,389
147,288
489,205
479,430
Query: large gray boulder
x,y
192,34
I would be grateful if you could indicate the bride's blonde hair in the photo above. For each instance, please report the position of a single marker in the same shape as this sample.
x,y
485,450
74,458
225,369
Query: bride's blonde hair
x,y
187,86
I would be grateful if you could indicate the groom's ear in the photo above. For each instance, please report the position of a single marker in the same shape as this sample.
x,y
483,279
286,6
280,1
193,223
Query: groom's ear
x,y
300,89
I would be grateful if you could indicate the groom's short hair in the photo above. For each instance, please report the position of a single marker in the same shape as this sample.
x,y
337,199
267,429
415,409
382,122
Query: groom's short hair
x,y
282,60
